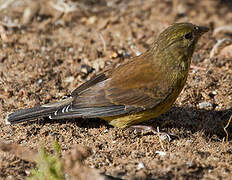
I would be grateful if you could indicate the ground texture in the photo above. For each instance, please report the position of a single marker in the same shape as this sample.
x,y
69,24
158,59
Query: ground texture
x,y
57,45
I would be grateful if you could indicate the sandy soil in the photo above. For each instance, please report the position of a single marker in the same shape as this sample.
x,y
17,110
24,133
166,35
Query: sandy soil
x,y
46,54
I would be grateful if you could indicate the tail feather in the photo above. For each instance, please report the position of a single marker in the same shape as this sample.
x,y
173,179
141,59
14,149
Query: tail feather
x,y
23,115
45,110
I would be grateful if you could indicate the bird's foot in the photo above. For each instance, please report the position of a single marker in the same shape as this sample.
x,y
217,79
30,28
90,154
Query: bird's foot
x,y
194,68
149,129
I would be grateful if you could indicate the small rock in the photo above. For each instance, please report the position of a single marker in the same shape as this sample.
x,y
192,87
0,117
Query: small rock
x,y
226,51
86,69
70,50
214,92
43,48
69,79
204,104
40,81
114,55
140,166
98,64
92,20
161,153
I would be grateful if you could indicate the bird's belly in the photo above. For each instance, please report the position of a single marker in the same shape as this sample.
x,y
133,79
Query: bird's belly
x,y
123,121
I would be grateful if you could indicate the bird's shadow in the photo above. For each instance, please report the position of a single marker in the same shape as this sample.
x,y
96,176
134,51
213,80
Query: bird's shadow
x,y
211,122
186,118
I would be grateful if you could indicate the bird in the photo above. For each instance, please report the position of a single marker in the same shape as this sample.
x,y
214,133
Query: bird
x,y
140,88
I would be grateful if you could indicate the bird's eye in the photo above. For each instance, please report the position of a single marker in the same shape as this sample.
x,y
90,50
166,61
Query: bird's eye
x,y
188,36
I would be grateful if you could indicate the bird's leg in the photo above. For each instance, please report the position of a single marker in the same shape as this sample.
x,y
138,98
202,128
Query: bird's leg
x,y
147,129
193,67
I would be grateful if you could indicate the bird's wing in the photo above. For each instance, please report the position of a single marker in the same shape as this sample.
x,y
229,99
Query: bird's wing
x,y
143,83
132,87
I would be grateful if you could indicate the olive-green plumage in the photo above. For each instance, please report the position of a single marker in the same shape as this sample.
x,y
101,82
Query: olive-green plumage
x,y
141,88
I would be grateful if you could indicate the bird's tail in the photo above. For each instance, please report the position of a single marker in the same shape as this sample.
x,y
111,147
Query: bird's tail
x,y
23,115
46,110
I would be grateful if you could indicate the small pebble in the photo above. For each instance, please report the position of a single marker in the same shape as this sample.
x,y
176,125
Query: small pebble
x,y
43,48
70,50
204,104
86,69
114,55
161,153
40,81
69,79
214,92
140,166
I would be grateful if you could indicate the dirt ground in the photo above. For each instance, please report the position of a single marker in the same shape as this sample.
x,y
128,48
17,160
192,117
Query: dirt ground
x,y
50,47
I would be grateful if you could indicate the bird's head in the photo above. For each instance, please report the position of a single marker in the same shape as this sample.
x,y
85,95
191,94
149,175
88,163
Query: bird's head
x,y
182,37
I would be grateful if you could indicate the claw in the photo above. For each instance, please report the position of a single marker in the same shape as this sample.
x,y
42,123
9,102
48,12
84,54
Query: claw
x,y
147,129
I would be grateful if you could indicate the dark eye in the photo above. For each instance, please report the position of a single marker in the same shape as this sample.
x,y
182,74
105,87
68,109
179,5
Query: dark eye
x,y
188,36
196,28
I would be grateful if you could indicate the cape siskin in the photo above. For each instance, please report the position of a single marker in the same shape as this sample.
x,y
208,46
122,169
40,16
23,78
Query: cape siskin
x,y
139,89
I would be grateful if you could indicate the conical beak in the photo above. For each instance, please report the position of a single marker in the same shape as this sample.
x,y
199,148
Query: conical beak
x,y
202,29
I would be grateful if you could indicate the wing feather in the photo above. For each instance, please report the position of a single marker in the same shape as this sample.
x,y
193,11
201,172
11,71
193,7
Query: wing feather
x,y
108,94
